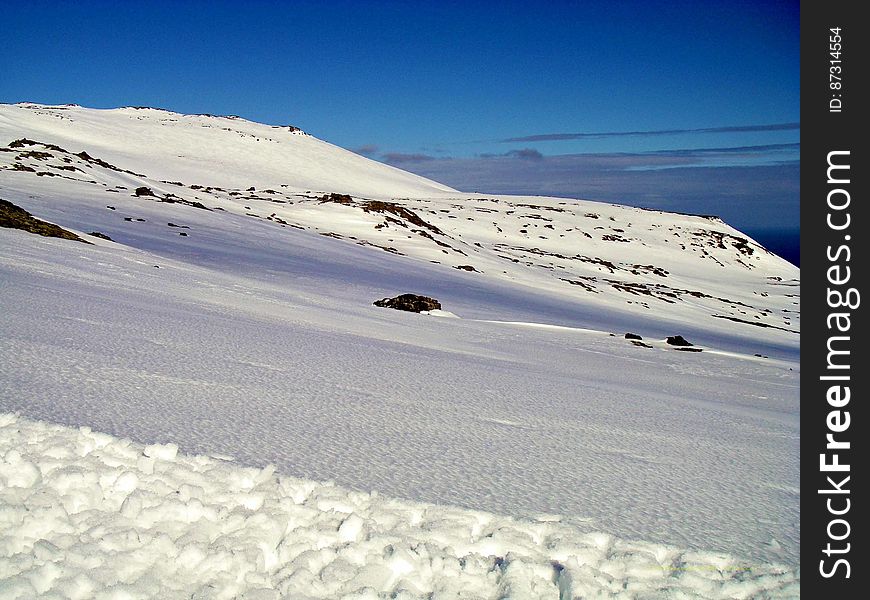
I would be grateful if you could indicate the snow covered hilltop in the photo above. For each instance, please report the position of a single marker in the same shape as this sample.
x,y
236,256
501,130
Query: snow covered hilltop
x,y
691,272
224,304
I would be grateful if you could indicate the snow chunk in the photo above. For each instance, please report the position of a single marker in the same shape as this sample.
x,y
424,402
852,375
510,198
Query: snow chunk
x,y
350,528
18,472
161,451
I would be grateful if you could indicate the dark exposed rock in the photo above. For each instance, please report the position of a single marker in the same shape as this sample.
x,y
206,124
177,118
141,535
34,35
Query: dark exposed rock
x,y
379,206
34,154
291,128
641,344
409,302
632,336
678,340
466,268
169,198
15,217
756,323
337,198
689,349
195,204
22,142
102,236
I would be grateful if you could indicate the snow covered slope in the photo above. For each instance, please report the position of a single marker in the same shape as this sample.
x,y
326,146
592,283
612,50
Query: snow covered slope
x,y
589,263
156,524
231,312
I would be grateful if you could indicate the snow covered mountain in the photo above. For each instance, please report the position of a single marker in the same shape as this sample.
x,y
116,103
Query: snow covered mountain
x,y
224,303
634,265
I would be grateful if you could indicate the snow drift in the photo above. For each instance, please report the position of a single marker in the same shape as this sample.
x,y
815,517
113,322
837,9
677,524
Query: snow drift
x,y
87,515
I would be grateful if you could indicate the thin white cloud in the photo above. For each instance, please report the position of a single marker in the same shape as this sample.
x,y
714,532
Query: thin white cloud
x,y
550,137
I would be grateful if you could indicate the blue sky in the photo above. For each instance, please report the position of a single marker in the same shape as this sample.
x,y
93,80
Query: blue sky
x,y
555,97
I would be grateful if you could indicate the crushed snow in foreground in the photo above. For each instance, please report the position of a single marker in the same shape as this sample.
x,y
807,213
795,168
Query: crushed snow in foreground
x,y
88,515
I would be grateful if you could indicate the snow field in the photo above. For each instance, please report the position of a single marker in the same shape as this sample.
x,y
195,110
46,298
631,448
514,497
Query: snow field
x,y
692,450
87,515
247,330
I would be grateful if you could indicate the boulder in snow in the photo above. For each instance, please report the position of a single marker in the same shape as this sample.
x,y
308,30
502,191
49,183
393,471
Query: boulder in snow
x,y
409,302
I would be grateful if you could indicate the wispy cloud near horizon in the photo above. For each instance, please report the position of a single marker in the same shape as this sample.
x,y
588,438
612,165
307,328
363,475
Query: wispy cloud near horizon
x,y
550,137
367,150
402,157
727,149
752,187
687,157
522,153
398,158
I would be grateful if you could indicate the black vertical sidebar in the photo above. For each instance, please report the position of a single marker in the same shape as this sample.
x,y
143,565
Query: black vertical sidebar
x,y
834,368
